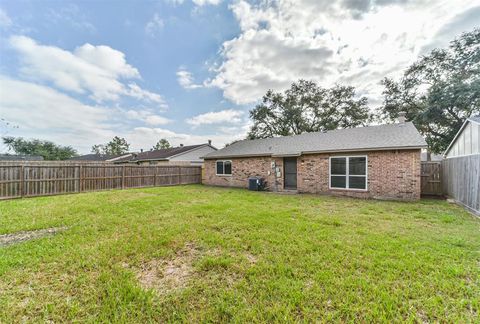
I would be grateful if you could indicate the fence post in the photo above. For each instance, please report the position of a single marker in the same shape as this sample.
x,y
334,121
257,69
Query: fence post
x,y
179,175
22,180
123,176
155,177
80,180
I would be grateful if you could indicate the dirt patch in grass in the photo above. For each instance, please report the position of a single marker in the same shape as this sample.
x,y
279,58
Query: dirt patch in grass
x,y
166,276
18,237
251,258
177,272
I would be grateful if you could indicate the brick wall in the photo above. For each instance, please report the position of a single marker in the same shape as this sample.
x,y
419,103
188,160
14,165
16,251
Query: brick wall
x,y
391,174
244,168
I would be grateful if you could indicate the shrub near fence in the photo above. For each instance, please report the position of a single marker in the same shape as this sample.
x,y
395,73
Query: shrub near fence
x,y
23,179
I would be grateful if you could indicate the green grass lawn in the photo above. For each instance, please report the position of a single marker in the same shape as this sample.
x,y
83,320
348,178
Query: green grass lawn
x,y
195,253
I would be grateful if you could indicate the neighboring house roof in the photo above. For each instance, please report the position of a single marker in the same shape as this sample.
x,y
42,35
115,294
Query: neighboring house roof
x,y
9,157
474,119
99,157
382,137
161,155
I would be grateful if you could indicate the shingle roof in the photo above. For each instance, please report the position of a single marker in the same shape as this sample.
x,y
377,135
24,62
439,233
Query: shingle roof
x,y
96,157
391,136
8,157
158,155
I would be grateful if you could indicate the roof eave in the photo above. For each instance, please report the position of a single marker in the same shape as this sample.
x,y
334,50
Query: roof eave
x,y
366,149
148,160
235,156
411,147
287,155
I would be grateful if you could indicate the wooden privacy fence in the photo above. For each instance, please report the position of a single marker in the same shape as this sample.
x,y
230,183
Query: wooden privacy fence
x,y
431,179
43,179
462,180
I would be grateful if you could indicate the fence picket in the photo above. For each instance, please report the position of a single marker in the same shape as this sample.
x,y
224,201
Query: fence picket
x,y
462,180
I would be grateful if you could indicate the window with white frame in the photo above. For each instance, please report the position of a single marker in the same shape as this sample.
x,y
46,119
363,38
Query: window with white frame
x,y
348,172
224,167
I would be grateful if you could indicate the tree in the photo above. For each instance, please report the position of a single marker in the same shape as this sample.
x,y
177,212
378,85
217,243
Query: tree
x,y
162,144
47,149
116,146
439,91
98,149
5,127
306,107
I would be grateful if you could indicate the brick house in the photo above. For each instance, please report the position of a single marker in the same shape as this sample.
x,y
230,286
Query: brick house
x,y
381,162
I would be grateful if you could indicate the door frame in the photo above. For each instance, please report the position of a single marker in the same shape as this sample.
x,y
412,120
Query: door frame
x,y
291,158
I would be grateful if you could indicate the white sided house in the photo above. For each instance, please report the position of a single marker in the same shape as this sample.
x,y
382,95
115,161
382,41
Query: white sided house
x,y
181,155
467,140
461,167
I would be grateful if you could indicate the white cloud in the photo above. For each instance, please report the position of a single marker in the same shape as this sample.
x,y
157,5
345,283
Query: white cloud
x,y
5,20
95,70
72,15
67,121
196,2
148,117
350,42
107,59
135,91
154,25
225,116
155,120
175,2
145,137
185,79
43,112
206,2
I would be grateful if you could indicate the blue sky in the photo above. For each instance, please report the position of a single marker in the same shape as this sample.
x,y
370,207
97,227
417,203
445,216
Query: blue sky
x,y
80,72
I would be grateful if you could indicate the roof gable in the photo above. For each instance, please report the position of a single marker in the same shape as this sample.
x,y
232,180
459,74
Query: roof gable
x,y
471,119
